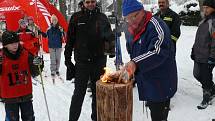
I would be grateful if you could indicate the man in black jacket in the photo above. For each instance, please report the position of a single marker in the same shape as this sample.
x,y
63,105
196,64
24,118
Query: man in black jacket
x,y
171,19
203,53
88,33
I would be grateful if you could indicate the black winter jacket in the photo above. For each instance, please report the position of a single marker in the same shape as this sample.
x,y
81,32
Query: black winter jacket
x,y
87,34
204,45
173,21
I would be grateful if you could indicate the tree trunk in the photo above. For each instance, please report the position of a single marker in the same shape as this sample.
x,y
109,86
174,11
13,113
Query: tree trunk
x,y
74,5
200,6
114,101
69,7
63,8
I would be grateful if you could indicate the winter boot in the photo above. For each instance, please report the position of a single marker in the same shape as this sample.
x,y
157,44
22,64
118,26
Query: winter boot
x,y
58,73
206,99
212,92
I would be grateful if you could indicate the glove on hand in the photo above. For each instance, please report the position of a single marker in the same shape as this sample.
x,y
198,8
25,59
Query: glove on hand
x,y
211,61
70,72
37,60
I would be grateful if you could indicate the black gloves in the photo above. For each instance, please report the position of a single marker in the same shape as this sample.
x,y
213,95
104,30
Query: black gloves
x,y
70,72
37,60
211,61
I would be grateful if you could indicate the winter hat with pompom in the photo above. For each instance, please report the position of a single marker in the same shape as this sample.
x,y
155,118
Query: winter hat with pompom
x,y
9,37
130,6
210,3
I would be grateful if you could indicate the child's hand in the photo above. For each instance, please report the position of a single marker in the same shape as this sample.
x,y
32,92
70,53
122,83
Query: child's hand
x,y
37,60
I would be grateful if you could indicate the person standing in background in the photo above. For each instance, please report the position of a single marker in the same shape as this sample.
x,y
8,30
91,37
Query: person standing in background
x,y
88,33
203,53
55,39
36,32
27,38
171,18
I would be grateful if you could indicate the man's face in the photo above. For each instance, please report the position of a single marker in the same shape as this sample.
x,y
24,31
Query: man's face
x,y
208,10
163,4
90,4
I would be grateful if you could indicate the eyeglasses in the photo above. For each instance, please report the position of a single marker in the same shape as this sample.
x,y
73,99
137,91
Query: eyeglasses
x,y
88,2
130,19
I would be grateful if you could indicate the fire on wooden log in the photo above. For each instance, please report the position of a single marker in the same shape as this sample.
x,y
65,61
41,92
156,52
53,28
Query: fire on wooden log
x,y
114,98
116,77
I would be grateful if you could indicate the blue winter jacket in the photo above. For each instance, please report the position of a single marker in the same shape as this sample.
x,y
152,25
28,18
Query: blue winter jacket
x,y
54,37
153,53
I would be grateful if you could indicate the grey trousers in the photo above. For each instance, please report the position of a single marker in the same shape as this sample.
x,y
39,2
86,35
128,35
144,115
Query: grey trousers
x,y
55,57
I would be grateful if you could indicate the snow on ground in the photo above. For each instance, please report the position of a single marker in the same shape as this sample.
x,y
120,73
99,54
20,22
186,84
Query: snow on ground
x,y
183,105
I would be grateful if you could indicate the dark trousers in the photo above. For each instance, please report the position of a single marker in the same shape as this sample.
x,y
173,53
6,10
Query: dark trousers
x,y
84,71
203,73
12,111
159,110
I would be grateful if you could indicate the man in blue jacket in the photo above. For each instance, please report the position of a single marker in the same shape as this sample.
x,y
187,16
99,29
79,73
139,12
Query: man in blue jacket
x,y
152,59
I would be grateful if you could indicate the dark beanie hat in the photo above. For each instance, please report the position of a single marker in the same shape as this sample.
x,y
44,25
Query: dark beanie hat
x,y
210,3
130,6
9,37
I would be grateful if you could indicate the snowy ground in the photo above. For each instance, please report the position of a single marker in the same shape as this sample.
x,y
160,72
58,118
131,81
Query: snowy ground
x,y
183,105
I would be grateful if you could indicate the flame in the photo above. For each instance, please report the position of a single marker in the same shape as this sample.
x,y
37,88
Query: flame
x,y
108,71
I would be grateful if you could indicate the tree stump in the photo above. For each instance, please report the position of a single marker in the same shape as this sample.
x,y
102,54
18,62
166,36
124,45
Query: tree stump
x,y
114,101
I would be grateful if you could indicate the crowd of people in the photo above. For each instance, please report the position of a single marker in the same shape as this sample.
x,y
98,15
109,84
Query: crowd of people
x,y
151,43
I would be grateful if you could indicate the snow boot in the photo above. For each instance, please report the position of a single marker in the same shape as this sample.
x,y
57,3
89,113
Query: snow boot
x,y
58,73
212,91
53,78
206,99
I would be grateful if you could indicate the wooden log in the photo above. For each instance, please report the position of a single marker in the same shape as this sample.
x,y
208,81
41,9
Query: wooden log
x,y
114,101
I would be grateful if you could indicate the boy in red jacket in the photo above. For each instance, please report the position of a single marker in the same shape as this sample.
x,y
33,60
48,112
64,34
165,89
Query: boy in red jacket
x,y
16,67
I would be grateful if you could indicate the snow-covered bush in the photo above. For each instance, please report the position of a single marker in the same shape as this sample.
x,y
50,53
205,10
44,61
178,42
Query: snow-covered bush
x,y
190,13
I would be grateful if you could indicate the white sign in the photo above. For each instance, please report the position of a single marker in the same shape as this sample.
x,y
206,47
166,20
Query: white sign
x,y
10,8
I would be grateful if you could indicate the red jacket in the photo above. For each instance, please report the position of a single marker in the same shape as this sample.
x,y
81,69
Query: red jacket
x,y
29,41
16,80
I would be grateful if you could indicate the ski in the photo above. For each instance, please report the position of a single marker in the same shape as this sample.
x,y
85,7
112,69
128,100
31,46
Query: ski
x,y
53,79
60,78
56,77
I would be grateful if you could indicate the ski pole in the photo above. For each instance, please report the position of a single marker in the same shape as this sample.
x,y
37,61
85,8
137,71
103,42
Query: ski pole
x,y
118,61
44,93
